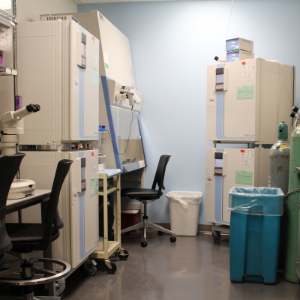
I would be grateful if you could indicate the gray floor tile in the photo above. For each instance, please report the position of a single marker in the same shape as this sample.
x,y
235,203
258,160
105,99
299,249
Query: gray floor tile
x,y
192,268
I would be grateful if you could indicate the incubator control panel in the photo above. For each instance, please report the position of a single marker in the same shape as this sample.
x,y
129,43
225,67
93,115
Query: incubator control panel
x,y
220,164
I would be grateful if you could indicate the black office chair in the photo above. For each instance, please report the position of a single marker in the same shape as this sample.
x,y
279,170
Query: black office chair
x,y
29,239
147,196
9,166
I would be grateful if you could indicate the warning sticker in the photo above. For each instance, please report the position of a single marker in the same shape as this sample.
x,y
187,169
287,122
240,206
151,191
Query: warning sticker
x,y
246,156
75,196
76,84
211,101
209,180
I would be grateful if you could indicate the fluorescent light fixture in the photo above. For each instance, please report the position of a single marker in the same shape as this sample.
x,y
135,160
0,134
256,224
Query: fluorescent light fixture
x,y
5,4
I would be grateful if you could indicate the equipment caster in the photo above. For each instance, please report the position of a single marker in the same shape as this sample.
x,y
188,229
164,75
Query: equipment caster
x,y
123,254
144,244
216,235
173,239
110,267
160,233
90,268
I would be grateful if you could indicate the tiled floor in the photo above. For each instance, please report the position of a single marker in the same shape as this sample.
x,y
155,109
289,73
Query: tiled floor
x,y
192,268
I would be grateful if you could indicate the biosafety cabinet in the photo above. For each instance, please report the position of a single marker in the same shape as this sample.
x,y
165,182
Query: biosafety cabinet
x,y
246,100
124,150
228,167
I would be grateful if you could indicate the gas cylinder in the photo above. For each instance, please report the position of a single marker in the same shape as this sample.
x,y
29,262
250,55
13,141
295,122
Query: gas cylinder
x,y
279,157
292,203
279,161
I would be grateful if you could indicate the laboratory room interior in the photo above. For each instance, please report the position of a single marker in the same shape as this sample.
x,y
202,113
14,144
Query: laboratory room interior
x,y
149,149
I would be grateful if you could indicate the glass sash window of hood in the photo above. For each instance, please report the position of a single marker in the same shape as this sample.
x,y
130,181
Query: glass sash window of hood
x,y
122,120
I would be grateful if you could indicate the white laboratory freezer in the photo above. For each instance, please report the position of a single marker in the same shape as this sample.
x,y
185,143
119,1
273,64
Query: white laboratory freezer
x,y
246,100
228,167
58,68
78,204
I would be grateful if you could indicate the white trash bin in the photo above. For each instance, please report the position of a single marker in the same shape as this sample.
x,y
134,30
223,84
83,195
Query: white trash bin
x,y
184,212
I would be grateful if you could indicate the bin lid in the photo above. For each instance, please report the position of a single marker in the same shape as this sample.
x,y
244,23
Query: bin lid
x,y
188,197
267,201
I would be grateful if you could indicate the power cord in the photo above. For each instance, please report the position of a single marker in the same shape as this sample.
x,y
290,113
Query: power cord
x,y
109,135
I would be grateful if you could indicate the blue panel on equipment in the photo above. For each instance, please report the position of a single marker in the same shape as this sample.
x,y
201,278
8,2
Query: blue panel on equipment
x,y
233,44
233,56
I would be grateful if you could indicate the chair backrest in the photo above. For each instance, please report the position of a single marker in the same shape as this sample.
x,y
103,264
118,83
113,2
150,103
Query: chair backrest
x,y
62,170
160,174
9,166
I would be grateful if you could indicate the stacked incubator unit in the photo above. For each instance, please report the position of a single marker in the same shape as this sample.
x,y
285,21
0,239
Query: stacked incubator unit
x,y
246,100
62,75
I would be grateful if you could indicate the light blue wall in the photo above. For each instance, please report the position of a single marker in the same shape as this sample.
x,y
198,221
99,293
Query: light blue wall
x,y
172,43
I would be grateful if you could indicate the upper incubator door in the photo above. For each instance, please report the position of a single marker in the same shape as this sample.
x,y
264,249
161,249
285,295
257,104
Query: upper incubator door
x,y
246,100
84,84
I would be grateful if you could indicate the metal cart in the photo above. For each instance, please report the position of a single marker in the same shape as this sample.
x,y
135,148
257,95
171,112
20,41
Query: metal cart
x,y
111,247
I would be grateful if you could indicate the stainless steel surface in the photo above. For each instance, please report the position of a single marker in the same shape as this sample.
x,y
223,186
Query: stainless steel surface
x,y
7,15
48,253
108,264
38,147
279,166
159,228
221,228
129,167
133,227
52,278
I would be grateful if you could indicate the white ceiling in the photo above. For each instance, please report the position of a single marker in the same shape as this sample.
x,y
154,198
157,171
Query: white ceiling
x,y
114,1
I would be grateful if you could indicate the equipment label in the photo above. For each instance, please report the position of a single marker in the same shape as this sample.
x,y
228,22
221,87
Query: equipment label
x,y
244,177
106,61
94,186
245,92
94,77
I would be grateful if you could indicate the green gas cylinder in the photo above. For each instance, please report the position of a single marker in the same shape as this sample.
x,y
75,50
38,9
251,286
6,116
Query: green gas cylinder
x,y
290,271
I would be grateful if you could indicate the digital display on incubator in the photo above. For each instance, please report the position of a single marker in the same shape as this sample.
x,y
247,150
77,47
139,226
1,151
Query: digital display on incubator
x,y
218,163
219,78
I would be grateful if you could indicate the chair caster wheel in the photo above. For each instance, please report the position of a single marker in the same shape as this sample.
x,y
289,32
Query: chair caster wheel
x,y
91,272
124,256
112,270
160,233
173,239
216,236
144,244
90,268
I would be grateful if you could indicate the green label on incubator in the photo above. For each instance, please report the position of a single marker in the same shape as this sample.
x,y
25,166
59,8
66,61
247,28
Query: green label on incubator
x,y
245,92
244,177
94,187
94,76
